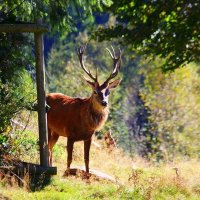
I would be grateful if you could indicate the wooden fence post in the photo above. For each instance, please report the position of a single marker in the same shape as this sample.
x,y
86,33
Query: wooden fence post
x,y
42,119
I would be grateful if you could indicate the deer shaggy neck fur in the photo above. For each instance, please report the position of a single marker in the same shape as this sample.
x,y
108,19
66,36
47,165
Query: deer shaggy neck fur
x,y
98,115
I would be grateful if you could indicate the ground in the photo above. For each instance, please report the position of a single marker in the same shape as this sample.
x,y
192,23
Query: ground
x,y
134,178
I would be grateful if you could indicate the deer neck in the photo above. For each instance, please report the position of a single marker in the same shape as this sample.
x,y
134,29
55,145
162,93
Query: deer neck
x,y
98,115
96,107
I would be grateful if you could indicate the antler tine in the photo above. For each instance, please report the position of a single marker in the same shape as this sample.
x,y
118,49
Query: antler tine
x,y
116,64
80,51
113,50
111,55
96,74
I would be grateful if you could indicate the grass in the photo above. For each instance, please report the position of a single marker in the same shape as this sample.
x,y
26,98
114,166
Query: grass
x,y
136,179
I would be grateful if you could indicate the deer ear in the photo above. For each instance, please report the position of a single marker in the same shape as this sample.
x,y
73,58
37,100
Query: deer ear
x,y
114,84
93,85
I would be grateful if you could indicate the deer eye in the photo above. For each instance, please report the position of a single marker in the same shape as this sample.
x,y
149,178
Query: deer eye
x,y
107,92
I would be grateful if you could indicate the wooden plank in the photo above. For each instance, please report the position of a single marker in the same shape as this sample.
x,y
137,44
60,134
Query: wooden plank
x,y
29,168
29,175
38,169
42,120
19,28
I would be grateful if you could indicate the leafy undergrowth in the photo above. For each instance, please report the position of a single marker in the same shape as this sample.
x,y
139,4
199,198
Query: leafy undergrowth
x,y
135,179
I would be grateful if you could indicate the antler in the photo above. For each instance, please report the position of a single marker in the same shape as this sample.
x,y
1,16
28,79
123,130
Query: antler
x,y
116,64
80,51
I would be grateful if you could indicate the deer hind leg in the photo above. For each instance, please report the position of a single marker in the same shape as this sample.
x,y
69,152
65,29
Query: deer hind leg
x,y
70,146
87,144
52,139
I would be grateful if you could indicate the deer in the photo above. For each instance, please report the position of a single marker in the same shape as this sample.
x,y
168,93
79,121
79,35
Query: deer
x,y
110,142
76,118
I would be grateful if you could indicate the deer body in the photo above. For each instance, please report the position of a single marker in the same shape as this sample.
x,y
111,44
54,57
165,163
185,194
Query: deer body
x,y
76,118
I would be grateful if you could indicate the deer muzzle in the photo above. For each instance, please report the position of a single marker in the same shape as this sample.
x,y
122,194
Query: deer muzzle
x,y
104,103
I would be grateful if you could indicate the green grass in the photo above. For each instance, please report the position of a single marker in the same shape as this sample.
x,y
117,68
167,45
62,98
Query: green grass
x,y
73,189
136,179
144,186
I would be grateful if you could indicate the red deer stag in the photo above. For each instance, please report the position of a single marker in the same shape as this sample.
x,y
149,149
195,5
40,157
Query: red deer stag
x,y
76,118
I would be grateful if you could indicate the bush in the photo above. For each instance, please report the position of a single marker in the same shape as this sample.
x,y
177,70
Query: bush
x,y
16,85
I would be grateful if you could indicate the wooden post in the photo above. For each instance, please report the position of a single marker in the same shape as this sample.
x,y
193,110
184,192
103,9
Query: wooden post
x,y
42,120
19,28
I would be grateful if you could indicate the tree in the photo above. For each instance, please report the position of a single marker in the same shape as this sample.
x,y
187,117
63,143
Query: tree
x,y
61,15
168,29
16,86
173,101
17,89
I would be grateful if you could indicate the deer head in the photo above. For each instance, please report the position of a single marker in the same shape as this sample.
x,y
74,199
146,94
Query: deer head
x,y
101,91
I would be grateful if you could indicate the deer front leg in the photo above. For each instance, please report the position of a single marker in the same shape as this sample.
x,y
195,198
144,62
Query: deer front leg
x,y
87,144
70,145
52,139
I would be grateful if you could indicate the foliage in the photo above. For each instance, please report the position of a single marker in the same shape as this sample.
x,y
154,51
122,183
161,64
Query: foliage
x,y
17,144
17,89
168,29
173,100
61,14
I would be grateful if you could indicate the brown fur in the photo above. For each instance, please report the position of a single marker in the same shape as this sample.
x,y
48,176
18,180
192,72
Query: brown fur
x,y
74,118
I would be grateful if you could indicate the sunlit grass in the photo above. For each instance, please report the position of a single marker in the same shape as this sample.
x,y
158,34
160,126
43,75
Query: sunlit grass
x,y
135,178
